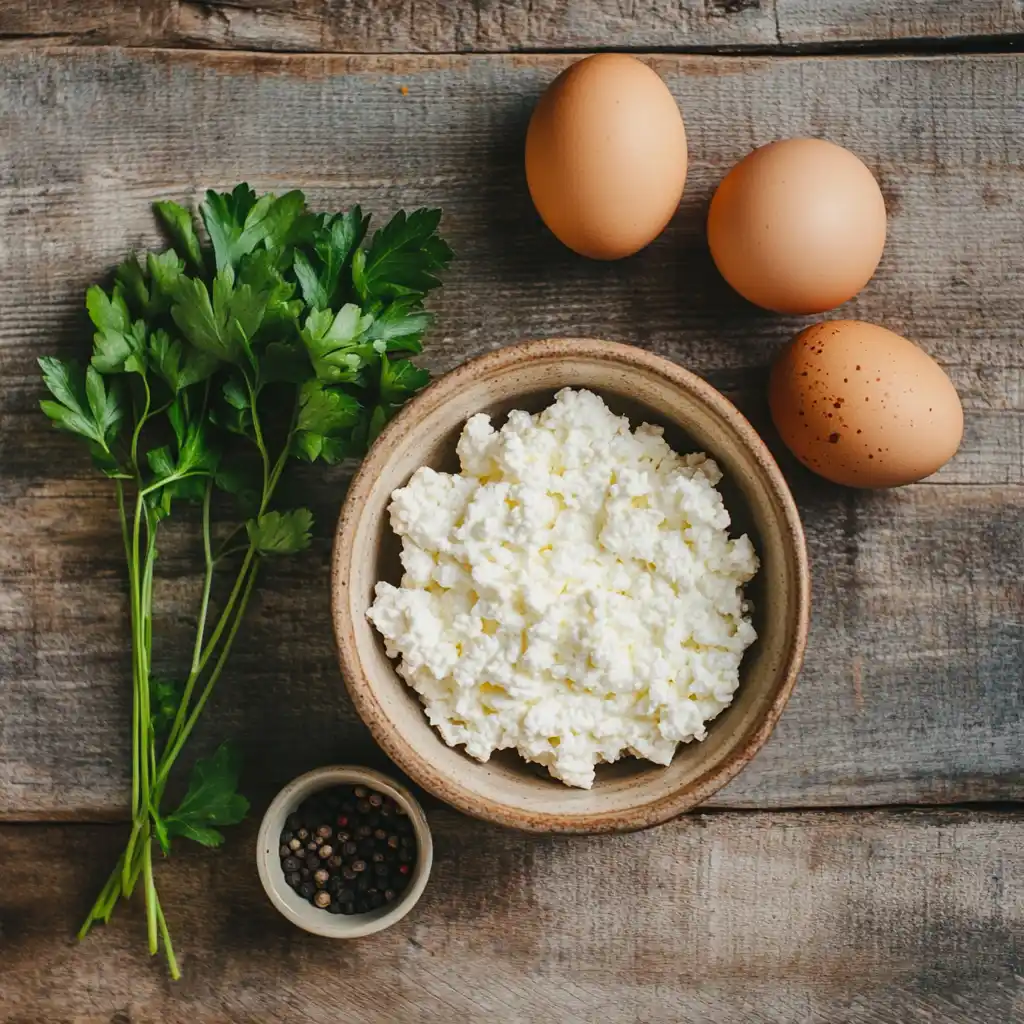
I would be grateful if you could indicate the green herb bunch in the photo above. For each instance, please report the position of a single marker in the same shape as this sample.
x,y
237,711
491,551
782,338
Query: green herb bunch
x,y
214,364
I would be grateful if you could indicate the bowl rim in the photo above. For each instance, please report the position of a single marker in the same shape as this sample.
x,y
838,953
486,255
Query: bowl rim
x,y
362,692
313,919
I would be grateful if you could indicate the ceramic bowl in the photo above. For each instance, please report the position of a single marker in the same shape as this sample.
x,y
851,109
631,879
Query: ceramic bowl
x,y
631,793
301,912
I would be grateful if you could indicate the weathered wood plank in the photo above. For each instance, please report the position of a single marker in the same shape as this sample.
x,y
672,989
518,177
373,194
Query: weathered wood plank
x,y
913,685
818,918
495,26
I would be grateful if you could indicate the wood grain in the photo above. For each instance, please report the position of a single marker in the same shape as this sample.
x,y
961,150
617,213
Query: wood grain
x,y
819,918
913,685
494,26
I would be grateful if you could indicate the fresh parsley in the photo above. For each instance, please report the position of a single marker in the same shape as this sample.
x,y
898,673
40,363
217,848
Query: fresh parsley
x,y
280,334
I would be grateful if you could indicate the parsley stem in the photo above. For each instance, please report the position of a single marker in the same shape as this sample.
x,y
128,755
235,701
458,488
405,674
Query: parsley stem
x,y
171,754
172,960
150,889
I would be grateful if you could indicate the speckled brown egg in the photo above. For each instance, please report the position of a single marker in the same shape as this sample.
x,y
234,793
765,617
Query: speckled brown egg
x,y
606,156
863,406
798,226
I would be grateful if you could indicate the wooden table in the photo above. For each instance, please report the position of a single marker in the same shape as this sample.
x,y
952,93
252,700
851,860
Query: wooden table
x,y
869,865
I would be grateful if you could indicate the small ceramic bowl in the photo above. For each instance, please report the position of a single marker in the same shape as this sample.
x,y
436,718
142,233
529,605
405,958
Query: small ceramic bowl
x,y
631,793
302,912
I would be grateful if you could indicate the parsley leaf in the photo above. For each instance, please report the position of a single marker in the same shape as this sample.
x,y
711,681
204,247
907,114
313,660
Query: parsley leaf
x,y
178,222
281,533
403,259
84,406
237,222
212,799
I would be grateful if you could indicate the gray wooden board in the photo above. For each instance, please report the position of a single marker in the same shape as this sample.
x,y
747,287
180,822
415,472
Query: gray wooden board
x,y
367,26
821,918
912,690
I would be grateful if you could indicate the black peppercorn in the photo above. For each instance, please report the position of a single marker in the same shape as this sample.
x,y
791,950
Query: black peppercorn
x,y
294,844
291,864
349,849
324,831
348,874
334,862
287,836
305,874
360,792
293,878
335,908
285,851
404,856
306,890
349,908
393,842
376,800
363,806
343,836
326,851
380,834
322,899
358,865
321,877
380,869
362,883
377,858
302,834
376,900
312,862
346,895
312,846
389,895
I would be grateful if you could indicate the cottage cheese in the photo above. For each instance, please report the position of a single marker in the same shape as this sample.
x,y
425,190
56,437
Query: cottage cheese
x,y
573,593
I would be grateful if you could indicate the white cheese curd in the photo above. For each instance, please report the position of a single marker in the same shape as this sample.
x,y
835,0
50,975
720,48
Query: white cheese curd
x,y
573,593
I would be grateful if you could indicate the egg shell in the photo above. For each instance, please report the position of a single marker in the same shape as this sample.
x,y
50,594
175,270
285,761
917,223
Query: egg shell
x,y
798,226
606,156
863,406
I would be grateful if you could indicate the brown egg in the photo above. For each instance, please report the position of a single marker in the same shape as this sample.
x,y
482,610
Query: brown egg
x,y
863,406
797,226
606,156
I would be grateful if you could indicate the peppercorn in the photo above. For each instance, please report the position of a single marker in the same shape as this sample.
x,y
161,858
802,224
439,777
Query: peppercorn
x,y
312,862
324,831
360,792
346,895
358,865
342,820
405,855
376,800
322,899
334,862
335,908
291,864
305,874
380,834
363,806
377,858
393,842
294,844
285,851
306,890
287,836
376,900
349,908
387,810
326,851
302,834
343,836
312,846
362,883
349,848
293,878
380,869
366,847
321,877
348,874
403,868
364,832
373,820
389,895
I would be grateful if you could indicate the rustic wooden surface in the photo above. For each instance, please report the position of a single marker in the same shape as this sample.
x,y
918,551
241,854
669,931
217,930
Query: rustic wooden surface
x,y
913,686
882,918
494,26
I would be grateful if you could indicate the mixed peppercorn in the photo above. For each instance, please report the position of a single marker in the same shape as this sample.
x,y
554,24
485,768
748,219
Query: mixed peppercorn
x,y
348,850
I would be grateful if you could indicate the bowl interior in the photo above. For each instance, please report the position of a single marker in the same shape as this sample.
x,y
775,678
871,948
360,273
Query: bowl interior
x,y
631,792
